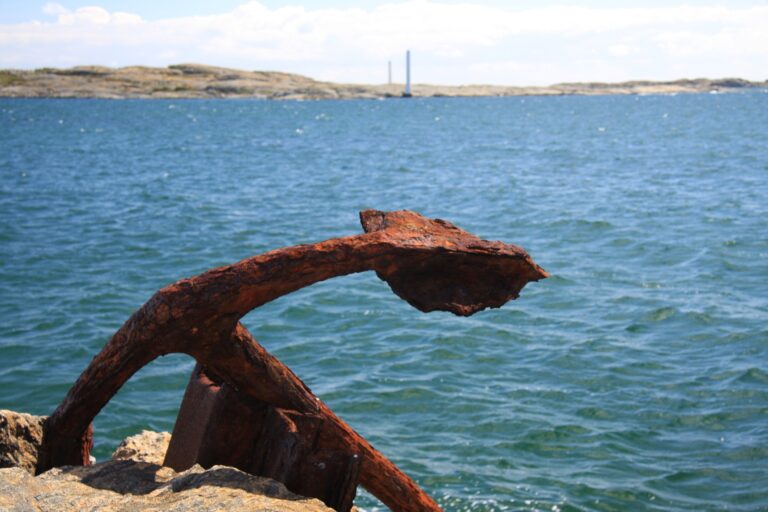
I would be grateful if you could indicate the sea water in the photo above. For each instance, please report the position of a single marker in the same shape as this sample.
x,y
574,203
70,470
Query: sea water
x,y
635,378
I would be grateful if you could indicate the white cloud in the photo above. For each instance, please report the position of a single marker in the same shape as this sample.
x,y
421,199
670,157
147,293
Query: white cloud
x,y
452,43
54,9
86,16
620,50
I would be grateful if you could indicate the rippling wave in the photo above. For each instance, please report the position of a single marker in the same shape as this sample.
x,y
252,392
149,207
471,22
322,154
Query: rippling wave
x,y
635,378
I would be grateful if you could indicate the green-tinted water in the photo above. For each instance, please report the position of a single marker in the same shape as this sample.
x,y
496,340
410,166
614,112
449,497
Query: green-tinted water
x,y
636,378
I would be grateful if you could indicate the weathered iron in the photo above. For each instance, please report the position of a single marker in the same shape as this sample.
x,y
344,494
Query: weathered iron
x,y
219,426
431,264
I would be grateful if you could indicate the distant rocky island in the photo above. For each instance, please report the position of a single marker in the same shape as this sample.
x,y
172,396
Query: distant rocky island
x,y
201,81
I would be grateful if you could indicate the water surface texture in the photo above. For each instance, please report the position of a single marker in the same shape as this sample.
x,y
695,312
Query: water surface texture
x,y
635,378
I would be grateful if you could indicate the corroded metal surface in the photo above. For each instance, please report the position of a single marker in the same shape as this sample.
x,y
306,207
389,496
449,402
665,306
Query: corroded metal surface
x,y
430,263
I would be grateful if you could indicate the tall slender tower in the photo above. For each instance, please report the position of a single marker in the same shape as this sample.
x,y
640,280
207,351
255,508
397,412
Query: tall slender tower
x,y
407,92
390,73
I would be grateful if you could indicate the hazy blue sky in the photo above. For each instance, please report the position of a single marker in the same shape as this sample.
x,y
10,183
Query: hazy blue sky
x,y
453,42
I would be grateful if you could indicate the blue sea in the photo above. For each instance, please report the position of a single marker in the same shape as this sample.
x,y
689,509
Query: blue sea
x,y
634,378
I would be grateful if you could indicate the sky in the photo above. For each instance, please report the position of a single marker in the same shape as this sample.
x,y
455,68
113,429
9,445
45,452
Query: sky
x,y
452,42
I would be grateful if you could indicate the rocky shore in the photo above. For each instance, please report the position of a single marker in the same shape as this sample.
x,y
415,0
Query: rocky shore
x,y
133,480
200,81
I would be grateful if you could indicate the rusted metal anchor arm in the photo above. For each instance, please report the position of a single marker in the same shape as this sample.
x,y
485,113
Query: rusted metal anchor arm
x,y
430,263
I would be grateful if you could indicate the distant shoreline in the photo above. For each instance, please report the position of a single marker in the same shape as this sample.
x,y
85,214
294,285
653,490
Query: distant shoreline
x,y
201,81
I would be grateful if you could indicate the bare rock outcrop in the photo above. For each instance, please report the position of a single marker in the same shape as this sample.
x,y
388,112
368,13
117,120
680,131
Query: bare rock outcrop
x,y
20,438
201,81
134,480
132,486
147,446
